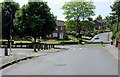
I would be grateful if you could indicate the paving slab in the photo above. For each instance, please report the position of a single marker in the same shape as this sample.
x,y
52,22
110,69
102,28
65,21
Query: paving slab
x,y
112,50
19,53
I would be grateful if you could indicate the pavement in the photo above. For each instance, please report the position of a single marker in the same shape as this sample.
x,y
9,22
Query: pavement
x,y
19,54
106,37
113,51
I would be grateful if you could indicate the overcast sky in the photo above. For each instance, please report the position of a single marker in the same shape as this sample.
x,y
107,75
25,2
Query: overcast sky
x,y
102,7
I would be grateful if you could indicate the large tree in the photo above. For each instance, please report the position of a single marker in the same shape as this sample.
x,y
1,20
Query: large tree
x,y
99,17
116,12
116,18
9,8
35,19
77,11
0,21
110,20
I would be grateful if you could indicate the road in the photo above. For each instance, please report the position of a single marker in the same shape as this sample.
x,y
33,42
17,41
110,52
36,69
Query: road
x,y
76,60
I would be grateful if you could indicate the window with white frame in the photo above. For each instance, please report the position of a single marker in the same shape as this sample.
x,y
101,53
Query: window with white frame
x,y
55,34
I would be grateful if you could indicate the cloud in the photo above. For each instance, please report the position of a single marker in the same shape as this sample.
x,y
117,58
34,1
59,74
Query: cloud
x,y
103,0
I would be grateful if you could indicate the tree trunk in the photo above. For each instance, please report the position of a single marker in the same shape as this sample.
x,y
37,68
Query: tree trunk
x,y
79,33
39,43
78,28
8,43
35,45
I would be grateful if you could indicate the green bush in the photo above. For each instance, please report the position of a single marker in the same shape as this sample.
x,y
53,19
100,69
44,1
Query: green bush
x,y
69,42
72,33
114,29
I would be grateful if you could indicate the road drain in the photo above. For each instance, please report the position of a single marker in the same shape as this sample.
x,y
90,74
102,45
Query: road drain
x,y
60,64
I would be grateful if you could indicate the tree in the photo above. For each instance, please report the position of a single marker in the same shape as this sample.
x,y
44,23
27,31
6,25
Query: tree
x,y
35,19
115,16
99,18
0,21
77,11
116,12
109,21
9,8
116,8
90,19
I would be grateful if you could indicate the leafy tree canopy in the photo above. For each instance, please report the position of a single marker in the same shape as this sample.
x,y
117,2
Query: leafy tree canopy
x,y
77,11
9,8
99,17
35,19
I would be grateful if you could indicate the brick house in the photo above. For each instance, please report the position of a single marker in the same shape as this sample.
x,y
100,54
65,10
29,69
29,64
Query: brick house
x,y
60,30
99,24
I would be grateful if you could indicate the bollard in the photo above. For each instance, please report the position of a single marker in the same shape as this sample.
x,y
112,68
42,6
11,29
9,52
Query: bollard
x,y
48,46
35,47
6,51
53,46
21,44
44,46
41,46
38,46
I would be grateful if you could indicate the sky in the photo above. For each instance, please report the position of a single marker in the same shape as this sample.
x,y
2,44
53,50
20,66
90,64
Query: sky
x,y
102,7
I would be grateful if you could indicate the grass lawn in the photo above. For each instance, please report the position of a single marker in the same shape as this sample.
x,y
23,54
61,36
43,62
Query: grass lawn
x,y
22,42
17,41
47,42
93,45
86,37
51,42
57,42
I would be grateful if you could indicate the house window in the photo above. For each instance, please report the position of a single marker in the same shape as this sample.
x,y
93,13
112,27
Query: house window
x,y
55,34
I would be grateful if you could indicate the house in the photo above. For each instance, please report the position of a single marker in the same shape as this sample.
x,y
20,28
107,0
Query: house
x,y
99,24
60,30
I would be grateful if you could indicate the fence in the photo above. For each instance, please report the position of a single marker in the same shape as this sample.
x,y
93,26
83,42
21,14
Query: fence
x,y
40,46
